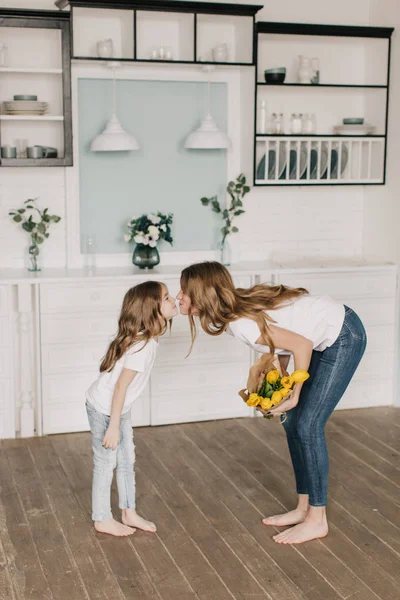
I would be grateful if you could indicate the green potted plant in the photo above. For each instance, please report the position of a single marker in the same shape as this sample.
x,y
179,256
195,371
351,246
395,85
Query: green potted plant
x,y
237,190
36,222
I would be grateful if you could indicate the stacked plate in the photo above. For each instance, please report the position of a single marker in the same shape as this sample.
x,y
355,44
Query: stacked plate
x,y
24,107
354,129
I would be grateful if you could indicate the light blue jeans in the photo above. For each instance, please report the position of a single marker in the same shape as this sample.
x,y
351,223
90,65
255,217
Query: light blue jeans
x,y
104,462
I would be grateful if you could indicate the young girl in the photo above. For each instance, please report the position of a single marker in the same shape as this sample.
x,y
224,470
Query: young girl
x,y
325,337
146,310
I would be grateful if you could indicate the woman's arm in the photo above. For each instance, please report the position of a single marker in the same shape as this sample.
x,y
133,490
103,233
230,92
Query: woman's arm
x,y
301,348
112,435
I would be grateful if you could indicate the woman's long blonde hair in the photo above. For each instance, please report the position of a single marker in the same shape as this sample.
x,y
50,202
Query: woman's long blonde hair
x,y
213,294
140,320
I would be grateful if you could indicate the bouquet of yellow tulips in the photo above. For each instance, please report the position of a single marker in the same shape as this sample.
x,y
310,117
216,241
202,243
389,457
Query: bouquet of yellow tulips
x,y
274,388
268,385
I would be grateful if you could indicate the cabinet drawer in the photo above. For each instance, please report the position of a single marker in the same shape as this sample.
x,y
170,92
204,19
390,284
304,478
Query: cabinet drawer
x,y
64,403
206,350
345,285
61,298
4,300
60,358
190,379
78,327
197,394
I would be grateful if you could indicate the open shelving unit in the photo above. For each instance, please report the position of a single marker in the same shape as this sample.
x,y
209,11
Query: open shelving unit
x,y
45,72
352,84
188,29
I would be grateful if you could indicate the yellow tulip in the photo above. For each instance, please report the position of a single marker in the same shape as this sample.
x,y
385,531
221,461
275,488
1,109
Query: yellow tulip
x,y
276,397
287,382
285,391
300,375
273,376
254,400
266,403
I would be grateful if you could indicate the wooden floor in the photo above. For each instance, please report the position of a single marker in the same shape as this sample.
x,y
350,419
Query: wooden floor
x,y
207,486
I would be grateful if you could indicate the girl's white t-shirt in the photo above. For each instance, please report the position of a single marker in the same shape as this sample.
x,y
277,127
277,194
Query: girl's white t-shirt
x,y
139,358
317,318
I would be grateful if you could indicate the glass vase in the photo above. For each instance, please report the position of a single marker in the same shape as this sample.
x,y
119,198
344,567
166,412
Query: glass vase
x,y
145,257
33,263
225,252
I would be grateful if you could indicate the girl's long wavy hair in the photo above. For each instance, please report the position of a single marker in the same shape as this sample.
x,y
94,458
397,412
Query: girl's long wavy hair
x,y
140,320
213,294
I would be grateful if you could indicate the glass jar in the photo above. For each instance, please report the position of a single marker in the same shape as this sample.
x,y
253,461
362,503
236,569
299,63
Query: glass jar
x,y
295,124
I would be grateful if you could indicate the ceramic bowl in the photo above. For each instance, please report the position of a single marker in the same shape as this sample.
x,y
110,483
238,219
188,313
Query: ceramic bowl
x,y
276,70
274,77
353,121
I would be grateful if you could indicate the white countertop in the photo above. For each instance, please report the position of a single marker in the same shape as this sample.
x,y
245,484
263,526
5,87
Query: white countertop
x,y
49,275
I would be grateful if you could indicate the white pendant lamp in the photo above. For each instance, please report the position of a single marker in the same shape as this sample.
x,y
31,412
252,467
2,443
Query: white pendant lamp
x,y
208,136
114,138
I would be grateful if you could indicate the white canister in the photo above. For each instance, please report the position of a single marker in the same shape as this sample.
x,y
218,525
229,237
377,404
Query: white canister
x,y
105,48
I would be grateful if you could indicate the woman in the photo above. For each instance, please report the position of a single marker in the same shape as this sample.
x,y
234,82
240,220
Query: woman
x,y
326,338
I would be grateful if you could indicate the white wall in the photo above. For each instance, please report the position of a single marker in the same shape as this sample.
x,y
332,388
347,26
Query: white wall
x,y
303,220
382,204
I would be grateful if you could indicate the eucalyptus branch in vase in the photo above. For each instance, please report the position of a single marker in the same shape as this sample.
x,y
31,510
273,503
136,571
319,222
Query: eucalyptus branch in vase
x,y
237,190
35,222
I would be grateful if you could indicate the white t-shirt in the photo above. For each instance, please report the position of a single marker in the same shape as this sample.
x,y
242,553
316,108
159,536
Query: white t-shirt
x,y
317,318
139,358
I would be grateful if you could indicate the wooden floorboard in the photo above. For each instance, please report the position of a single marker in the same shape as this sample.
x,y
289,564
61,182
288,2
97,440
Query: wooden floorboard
x,y
207,487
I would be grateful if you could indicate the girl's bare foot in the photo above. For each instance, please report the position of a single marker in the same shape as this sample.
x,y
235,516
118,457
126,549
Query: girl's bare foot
x,y
131,518
310,529
292,517
112,527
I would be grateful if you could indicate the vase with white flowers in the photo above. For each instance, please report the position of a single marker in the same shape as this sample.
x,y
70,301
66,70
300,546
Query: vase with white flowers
x,y
146,231
35,222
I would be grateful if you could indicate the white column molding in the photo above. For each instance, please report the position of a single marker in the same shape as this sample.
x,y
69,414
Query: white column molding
x,y
26,404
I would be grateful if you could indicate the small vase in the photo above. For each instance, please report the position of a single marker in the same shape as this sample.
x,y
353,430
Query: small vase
x,y
33,260
225,252
145,257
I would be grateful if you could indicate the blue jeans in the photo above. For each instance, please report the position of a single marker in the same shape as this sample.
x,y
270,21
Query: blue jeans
x,y
330,373
104,462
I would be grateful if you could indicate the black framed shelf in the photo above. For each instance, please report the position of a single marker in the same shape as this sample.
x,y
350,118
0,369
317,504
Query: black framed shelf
x,y
193,20
323,85
361,159
54,80
317,135
159,61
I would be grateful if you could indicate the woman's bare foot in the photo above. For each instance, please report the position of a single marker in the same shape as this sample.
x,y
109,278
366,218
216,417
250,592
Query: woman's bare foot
x,y
292,517
304,532
112,527
131,518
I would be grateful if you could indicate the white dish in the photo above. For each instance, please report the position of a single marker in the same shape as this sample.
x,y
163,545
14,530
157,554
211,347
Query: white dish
x,y
354,129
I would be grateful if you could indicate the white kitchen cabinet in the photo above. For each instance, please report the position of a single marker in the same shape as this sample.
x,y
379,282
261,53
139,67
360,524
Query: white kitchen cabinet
x,y
373,295
68,321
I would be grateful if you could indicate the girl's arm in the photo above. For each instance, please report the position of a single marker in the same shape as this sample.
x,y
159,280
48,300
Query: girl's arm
x,y
301,348
112,435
